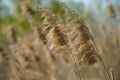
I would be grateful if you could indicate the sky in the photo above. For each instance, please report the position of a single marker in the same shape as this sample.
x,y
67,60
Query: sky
x,y
88,3
9,4
84,1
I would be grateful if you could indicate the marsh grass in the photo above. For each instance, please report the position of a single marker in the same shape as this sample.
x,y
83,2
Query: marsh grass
x,y
60,48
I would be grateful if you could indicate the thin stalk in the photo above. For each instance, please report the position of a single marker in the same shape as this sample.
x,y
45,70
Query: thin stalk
x,y
76,67
99,56
112,74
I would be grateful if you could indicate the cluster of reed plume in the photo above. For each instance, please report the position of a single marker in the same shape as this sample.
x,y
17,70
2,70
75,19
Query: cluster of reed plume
x,y
54,49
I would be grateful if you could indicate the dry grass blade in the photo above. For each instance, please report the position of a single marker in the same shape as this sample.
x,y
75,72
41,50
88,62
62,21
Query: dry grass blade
x,y
112,74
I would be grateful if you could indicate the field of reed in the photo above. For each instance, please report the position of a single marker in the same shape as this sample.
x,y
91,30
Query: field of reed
x,y
59,45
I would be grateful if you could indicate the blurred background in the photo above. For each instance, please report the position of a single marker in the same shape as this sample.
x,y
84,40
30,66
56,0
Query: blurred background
x,y
98,12
102,17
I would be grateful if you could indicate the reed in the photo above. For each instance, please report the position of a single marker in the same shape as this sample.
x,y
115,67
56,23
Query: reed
x,y
61,48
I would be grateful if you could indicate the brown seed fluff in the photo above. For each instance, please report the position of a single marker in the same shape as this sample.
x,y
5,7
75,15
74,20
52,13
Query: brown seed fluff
x,y
57,41
78,37
48,17
80,43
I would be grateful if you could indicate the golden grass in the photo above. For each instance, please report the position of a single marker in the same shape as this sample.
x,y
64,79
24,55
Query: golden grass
x,y
60,48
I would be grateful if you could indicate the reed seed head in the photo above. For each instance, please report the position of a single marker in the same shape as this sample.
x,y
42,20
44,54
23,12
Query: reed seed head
x,y
111,11
80,42
56,39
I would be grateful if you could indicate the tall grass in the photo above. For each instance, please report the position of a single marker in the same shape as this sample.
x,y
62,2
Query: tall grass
x,y
59,46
